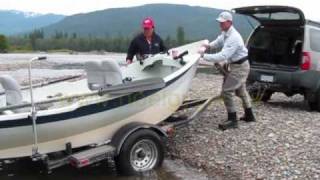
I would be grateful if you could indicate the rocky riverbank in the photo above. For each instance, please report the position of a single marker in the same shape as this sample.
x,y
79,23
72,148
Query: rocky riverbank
x,y
283,144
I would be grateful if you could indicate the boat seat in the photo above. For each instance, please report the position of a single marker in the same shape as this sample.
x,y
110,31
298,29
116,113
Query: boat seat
x,y
12,90
159,60
103,74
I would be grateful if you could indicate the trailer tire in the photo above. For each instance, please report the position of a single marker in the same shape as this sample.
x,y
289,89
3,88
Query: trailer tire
x,y
142,151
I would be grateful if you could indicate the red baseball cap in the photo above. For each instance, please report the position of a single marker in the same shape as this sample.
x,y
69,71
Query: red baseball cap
x,y
148,23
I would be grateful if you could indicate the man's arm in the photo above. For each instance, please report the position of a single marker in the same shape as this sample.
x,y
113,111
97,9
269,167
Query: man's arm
x,y
225,54
163,48
132,50
217,43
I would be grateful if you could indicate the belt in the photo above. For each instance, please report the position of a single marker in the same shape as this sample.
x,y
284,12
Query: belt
x,y
240,61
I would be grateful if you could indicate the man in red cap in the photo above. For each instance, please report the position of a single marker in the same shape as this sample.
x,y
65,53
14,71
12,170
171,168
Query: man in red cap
x,y
146,43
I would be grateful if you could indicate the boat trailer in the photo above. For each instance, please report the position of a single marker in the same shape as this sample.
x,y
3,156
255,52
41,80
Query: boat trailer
x,y
108,150
139,139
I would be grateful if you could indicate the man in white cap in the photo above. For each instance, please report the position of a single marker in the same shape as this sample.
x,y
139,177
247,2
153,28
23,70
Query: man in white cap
x,y
235,55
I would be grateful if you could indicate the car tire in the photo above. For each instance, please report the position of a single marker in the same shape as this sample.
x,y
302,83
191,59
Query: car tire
x,y
315,104
142,151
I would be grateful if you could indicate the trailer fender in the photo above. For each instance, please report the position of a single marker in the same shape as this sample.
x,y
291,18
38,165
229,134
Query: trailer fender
x,y
124,132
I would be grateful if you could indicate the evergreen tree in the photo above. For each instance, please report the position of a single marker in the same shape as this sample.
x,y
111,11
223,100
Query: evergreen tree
x,y
180,35
74,35
3,43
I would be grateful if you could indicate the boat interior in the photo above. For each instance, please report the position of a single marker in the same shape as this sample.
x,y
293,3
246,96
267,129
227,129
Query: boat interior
x,y
101,76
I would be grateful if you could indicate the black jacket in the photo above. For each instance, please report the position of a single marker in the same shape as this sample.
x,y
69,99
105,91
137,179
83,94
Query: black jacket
x,y
140,46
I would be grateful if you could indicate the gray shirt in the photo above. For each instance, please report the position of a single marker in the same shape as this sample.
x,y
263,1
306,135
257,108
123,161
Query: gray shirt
x,y
232,45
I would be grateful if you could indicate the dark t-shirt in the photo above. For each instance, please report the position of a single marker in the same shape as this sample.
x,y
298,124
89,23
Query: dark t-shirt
x,y
140,46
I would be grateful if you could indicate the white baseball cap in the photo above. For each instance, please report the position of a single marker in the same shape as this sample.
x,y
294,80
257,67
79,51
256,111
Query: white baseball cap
x,y
224,16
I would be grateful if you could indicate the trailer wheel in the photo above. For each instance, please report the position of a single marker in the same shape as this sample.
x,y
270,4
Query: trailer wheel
x,y
142,151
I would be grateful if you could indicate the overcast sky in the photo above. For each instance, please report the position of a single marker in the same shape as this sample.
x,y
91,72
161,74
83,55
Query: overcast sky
x,y
69,7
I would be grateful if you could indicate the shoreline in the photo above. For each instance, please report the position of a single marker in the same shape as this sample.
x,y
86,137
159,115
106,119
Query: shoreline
x,y
283,143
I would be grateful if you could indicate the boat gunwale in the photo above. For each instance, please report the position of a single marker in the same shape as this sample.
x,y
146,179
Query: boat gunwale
x,y
74,106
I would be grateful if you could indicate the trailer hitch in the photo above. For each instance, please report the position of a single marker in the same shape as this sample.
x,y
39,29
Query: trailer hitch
x,y
258,90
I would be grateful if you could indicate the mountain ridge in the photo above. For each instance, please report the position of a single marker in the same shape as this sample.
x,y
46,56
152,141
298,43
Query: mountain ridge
x,y
198,22
14,22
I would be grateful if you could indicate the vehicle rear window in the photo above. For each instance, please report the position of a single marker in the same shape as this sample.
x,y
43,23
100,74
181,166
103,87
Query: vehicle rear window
x,y
315,40
278,16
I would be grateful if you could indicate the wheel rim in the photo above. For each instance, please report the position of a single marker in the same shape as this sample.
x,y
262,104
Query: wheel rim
x,y
144,155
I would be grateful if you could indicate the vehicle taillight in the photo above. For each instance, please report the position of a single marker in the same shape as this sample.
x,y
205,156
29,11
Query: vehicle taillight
x,y
306,61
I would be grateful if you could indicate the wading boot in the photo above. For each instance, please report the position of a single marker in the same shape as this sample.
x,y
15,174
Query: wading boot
x,y
230,123
248,115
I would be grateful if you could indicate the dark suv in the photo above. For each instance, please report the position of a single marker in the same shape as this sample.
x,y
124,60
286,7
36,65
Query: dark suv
x,y
284,53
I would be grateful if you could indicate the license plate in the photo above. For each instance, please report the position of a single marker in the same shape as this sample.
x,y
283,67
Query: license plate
x,y
267,78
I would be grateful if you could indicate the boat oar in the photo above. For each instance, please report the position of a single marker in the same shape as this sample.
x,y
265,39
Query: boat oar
x,y
134,86
19,106
122,89
49,82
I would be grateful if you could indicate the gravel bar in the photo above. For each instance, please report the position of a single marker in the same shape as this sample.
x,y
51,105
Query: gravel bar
x,y
284,143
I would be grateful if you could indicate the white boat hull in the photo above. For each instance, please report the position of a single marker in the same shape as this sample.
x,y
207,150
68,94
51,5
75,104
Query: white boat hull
x,y
90,128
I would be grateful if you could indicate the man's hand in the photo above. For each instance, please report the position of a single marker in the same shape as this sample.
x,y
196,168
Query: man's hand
x,y
174,53
206,44
202,50
129,61
223,68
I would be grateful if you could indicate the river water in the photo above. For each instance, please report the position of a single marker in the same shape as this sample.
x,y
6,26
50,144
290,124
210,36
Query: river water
x,y
27,170
61,65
